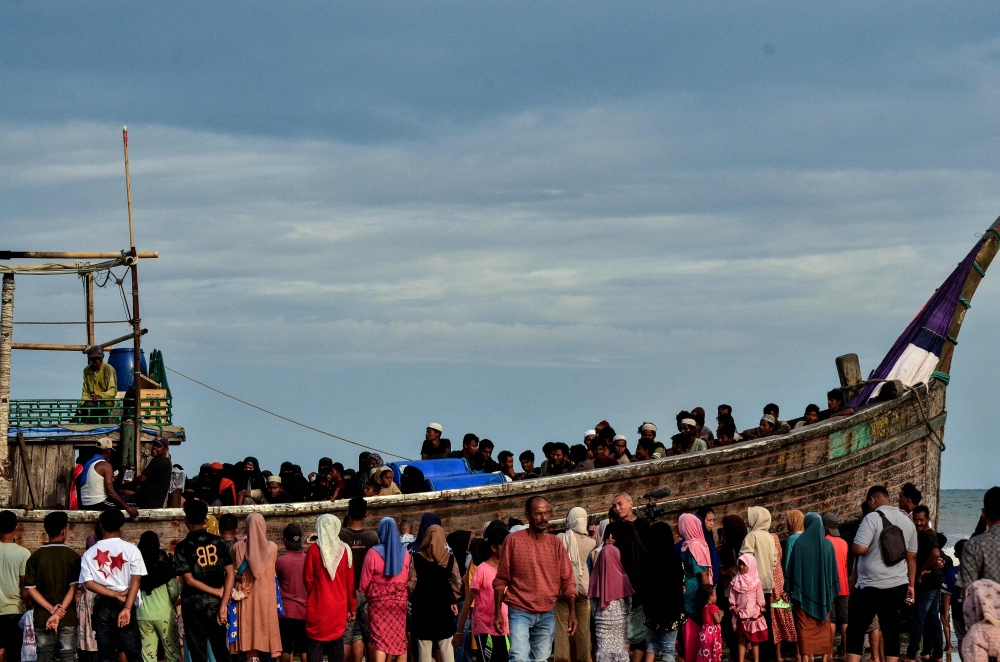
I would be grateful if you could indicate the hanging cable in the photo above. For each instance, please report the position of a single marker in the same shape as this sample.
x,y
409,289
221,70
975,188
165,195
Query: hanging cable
x,y
284,418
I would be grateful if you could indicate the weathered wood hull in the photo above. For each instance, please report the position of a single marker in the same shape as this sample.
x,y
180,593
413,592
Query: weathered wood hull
x,y
825,467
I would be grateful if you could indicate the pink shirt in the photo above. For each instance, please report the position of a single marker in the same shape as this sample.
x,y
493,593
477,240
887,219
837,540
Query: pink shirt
x,y
373,570
288,568
482,611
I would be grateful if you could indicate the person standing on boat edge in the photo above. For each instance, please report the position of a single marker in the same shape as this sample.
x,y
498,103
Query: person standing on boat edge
x,y
579,544
534,572
812,583
881,590
329,580
97,488
13,559
112,569
202,560
360,540
926,613
434,447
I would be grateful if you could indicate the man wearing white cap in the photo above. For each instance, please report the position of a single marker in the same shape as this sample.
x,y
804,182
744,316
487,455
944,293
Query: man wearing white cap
x,y
434,448
765,429
620,449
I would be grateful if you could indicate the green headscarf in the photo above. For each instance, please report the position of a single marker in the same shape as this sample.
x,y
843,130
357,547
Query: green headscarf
x,y
811,578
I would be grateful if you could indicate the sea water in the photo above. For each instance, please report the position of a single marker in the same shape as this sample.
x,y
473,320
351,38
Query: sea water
x,y
958,515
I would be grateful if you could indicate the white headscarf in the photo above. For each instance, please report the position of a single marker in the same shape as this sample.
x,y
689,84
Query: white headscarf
x,y
576,523
760,543
331,547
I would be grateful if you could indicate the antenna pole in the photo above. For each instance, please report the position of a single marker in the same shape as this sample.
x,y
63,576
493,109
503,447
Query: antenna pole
x,y
136,320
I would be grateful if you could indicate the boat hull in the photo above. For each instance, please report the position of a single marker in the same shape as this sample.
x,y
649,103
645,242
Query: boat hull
x,y
825,467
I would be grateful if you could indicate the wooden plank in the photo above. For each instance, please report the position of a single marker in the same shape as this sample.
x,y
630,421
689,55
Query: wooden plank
x,y
19,489
849,370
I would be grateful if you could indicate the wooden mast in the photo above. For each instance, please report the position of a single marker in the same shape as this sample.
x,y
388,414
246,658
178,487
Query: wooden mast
x,y
6,336
88,294
136,320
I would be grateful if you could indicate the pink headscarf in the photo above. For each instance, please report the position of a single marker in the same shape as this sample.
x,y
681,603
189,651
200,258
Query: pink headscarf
x,y
608,581
693,532
983,603
748,582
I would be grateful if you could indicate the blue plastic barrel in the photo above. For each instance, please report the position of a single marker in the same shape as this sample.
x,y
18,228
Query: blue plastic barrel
x,y
469,480
122,359
453,466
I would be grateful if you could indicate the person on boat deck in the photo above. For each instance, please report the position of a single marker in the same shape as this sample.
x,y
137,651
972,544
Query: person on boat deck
x,y
726,432
97,489
602,454
528,470
506,462
152,485
836,406
619,449
434,447
276,491
588,438
100,381
386,486
780,426
687,440
647,432
810,417
469,452
486,461
698,414
765,429
558,462
578,456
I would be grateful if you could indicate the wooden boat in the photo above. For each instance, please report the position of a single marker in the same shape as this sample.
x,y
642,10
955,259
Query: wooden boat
x,y
823,467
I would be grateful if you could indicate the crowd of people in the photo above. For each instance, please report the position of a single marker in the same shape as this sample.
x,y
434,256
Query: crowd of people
x,y
222,484
621,589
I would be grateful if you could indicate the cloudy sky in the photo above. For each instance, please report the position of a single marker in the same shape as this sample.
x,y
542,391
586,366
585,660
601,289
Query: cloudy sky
x,y
511,218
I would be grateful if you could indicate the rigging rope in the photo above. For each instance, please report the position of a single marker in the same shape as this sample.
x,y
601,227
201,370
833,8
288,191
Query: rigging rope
x,y
284,418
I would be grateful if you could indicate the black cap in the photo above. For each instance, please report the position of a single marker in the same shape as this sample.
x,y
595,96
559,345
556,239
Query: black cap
x,y
161,441
293,537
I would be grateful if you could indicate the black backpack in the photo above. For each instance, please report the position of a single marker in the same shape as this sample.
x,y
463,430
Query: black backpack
x,y
891,542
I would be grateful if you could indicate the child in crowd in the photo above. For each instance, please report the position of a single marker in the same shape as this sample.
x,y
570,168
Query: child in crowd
x,y
710,638
491,646
747,599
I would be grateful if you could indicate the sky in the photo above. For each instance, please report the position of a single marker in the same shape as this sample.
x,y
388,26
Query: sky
x,y
515,219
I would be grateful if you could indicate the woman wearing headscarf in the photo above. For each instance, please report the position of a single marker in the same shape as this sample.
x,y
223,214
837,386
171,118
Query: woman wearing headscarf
x,y
796,525
598,537
707,516
427,520
812,582
734,530
435,589
696,559
579,544
383,581
157,625
458,542
766,550
257,610
611,591
664,602
385,484
982,616
329,580
250,485
633,560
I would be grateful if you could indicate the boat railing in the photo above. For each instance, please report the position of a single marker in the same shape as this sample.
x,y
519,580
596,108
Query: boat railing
x,y
56,413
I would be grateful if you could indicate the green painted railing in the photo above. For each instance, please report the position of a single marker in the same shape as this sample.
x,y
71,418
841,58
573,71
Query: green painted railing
x,y
52,413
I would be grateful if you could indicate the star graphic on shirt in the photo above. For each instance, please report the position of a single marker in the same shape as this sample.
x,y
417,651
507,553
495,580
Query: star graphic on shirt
x,y
117,561
103,557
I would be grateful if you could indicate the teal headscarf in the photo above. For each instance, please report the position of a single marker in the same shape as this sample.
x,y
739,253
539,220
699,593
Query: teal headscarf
x,y
811,578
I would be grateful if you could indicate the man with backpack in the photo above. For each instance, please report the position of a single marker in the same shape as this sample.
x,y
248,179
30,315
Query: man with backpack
x,y
886,548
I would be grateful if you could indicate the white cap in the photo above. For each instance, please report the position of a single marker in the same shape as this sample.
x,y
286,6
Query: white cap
x,y
590,432
689,421
620,437
435,426
104,443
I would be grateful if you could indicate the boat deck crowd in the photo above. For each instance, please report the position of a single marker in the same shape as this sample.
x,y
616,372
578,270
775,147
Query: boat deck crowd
x,y
243,482
625,589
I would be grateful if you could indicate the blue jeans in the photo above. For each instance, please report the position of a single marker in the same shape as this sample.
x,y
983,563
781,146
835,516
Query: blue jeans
x,y
926,610
531,635
662,644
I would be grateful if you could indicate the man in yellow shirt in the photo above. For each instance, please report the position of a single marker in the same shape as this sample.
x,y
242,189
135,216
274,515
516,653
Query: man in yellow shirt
x,y
100,382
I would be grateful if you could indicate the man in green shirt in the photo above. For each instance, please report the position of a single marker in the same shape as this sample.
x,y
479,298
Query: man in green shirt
x,y
50,578
100,381
13,558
